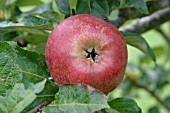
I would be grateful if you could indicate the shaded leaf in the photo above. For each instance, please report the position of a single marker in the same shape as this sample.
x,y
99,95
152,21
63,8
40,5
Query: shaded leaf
x,y
124,105
77,98
19,98
40,48
100,8
139,4
107,110
95,7
83,7
8,36
51,15
154,109
35,39
167,101
63,6
137,41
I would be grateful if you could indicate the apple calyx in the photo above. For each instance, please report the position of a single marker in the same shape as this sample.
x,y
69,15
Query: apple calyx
x,y
92,54
87,48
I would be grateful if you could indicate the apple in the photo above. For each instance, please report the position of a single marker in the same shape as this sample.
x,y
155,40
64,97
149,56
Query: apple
x,y
87,49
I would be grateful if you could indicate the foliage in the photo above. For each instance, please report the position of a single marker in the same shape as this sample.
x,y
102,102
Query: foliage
x,y
25,82
19,98
78,99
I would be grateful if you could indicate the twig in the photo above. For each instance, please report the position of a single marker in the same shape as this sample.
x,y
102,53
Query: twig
x,y
137,84
152,21
39,107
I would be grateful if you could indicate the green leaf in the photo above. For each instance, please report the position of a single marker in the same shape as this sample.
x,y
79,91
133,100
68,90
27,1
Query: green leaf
x,y
8,77
63,6
44,11
35,39
154,109
7,59
124,105
39,23
139,4
95,7
83,7
137,41
16,62
77,98
40,48
19,27
38,10
47,95
107,110
10,2
100,8
30,24
2,4
18,65
32,64
37,88
8,36
20,97
29,2
167,101
9,80
51,15
12,10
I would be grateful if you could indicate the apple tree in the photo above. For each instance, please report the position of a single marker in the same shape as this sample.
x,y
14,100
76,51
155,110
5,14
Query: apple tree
x,y
26,85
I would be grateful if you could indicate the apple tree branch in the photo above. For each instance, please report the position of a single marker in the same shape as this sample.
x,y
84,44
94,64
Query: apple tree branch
x,y
132,13
146,23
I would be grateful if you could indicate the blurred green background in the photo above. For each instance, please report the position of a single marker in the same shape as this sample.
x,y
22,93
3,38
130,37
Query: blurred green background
x,y
162,51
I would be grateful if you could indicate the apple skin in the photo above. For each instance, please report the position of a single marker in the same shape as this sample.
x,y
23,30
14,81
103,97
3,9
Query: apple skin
x,y
88,50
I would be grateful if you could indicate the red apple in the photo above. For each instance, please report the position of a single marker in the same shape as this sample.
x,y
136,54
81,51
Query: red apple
x,y
88,50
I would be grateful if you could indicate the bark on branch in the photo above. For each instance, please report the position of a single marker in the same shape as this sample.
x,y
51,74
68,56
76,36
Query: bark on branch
x,y
152,21
132,13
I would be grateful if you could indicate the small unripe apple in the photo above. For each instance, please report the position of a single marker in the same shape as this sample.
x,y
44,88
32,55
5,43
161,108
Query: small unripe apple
x,y
88,50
